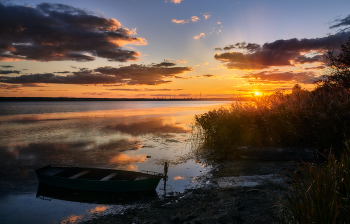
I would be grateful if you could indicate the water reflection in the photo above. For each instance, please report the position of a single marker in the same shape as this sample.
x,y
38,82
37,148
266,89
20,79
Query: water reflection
x,y
141,139
46,192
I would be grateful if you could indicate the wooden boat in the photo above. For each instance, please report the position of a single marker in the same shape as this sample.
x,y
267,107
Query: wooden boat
x,y
94,179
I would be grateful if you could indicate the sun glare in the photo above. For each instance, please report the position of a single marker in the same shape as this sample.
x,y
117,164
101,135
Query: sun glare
x,y
256,93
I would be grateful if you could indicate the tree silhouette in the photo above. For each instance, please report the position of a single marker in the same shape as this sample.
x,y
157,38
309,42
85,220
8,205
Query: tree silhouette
x,y
338,64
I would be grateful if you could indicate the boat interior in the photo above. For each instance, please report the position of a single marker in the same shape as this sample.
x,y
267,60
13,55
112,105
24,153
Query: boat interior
x,y
96,174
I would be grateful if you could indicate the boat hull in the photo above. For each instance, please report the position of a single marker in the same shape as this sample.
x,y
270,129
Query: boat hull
x,y
150,183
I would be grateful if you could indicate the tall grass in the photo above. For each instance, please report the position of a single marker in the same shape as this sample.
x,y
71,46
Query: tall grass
x,y
313,119
320,194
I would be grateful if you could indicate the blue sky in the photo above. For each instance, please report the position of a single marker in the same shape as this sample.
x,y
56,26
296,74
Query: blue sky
x,y
195,67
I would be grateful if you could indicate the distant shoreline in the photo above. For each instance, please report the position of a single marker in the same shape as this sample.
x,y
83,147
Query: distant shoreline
x,y
9,99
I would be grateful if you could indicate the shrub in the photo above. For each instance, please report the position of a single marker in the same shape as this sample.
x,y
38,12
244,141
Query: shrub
x,y
311,119
320,194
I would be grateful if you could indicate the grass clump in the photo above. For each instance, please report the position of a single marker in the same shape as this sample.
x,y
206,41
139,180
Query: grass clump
x,y
302,119
320,193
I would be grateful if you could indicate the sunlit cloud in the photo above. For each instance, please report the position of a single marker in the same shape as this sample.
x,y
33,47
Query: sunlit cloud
x,y
145,90
195,19
278,53
206,15
182,61
174,1
180,21
200,36
57,32
154,74
273,77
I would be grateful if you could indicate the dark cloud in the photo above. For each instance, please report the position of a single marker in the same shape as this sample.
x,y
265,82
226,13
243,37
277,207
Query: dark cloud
x,y
6,66
280,52
128,75
303,60
5,72
218,48
164,64
56,32
317,68
142,74
280,77
87,78
64,72
341,22
5,86
206,76
250,47
181,77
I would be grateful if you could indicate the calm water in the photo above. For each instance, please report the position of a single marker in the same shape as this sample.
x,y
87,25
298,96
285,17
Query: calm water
x,y
121,135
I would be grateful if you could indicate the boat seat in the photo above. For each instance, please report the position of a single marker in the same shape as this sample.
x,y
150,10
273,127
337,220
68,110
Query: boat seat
x,y
109,176
79,174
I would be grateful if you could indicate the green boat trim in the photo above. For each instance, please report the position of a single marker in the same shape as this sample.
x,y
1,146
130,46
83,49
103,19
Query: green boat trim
x,y
95,179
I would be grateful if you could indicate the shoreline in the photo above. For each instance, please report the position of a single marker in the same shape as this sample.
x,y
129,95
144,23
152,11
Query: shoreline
x,y
241,191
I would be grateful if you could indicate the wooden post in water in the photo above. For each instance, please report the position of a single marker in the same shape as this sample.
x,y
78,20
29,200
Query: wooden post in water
x,y
165,177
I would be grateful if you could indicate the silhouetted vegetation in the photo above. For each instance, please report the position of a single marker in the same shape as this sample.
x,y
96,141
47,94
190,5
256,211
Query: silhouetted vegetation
x,y
311,119
338,66
319,193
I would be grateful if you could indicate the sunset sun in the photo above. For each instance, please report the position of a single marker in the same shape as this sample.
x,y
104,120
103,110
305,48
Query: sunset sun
x,y
256,93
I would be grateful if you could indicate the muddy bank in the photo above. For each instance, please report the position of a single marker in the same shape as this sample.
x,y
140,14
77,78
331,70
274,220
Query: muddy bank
x,y
243,191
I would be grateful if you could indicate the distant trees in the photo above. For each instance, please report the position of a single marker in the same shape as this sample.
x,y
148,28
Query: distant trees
x,y
296,88
338,65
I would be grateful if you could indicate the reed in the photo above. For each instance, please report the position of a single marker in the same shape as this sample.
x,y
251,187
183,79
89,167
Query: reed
x,y
319,119
320,193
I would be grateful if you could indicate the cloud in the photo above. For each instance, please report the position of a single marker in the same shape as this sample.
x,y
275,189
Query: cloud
x,y
6,66
174,1
200,36
206,15
5,86
217,29
278,53
97,93
342,22
182,61
206,76
281,77
180,21
194,19
57,32
5,72
64,72
145,90
154,74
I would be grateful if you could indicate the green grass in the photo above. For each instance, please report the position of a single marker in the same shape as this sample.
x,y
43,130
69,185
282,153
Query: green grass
x,y
320,193
302,119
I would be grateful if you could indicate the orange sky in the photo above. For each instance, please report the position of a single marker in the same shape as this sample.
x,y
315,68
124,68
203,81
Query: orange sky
x,y
128,49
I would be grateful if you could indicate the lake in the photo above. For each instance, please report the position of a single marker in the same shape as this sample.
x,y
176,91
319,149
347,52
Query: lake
x,y
128,135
